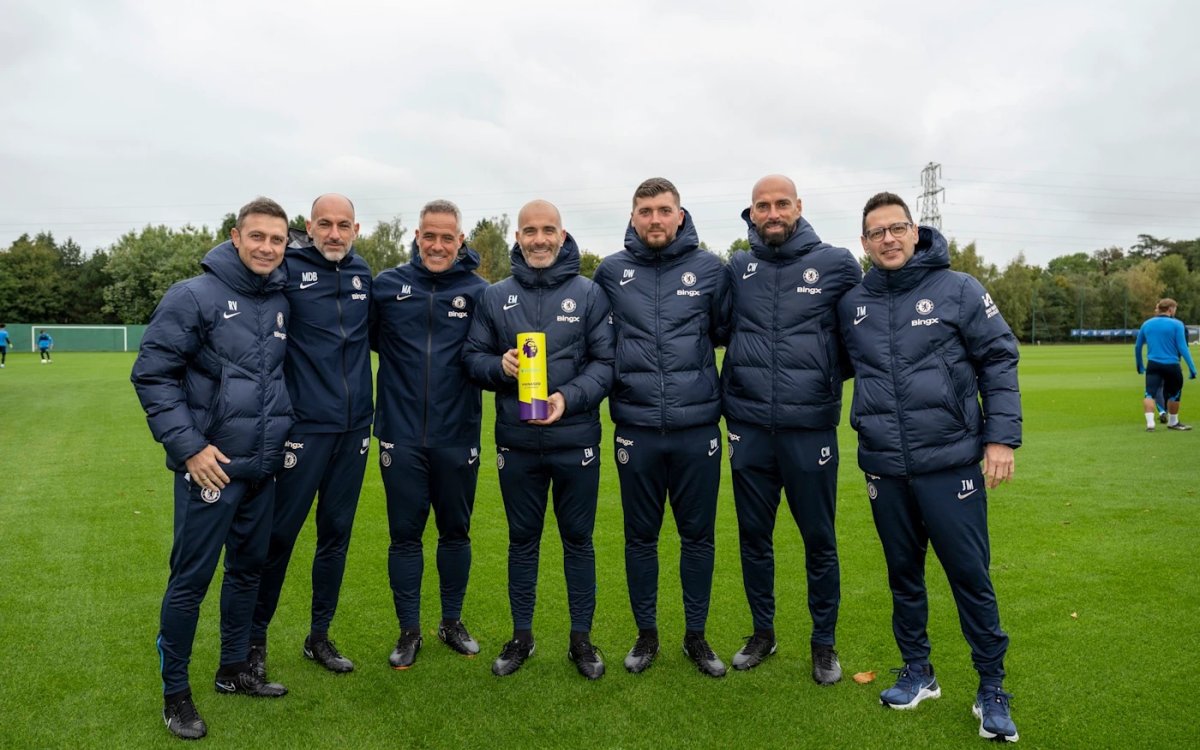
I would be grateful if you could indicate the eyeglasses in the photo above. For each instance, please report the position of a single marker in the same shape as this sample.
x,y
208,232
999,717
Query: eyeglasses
x,y
898,229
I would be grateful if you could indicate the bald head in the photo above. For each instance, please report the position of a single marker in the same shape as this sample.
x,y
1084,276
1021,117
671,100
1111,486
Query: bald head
x,y
332,226
774,208
539,233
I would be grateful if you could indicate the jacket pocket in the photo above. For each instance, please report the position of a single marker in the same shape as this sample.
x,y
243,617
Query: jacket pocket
x,y
216,408
951,392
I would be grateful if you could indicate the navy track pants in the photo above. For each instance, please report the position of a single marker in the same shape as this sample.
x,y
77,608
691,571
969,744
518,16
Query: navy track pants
x,y
329,466
947,509
684,468
803,465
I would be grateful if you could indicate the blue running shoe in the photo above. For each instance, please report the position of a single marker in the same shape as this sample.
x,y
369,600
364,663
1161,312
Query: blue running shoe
x,y
991,708
915,683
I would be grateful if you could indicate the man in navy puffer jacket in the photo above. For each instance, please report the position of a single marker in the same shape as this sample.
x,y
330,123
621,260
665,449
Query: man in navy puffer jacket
x,y
210,378
427,419
328,374
928,345
667,299
782,387
546,294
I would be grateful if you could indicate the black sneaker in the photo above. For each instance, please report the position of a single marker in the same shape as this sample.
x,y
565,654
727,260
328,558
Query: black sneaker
x,y
826,667
457,638
645,648
586,658
1162,417
183,720
758,647
701,654
406,649
258,660
248,683
511,657
1179,426
325,653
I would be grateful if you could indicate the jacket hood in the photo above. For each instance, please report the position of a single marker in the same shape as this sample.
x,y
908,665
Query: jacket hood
x,y
802,239
932,253
685,242
224,262
566,266
468,261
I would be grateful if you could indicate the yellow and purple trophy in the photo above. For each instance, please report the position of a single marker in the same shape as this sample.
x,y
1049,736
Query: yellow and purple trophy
x,y
531,376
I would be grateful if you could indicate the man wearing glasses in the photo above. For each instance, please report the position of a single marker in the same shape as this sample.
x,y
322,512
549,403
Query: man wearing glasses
x,y
928,345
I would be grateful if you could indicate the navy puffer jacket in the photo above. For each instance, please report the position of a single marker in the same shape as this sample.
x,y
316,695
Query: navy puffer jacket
x,y
210,368
927,345
419,322
328,367
782,368
573,313
667,308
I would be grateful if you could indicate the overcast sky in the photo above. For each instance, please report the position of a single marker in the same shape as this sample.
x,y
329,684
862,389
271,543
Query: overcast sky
x,y
1060,126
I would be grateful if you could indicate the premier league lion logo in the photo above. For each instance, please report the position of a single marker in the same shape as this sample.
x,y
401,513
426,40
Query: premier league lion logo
x,y
529,348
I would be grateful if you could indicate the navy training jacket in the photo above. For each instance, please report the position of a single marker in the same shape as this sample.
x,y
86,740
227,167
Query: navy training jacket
x,y
573,313
667,308
783,366
927,344
328,366
210,367
419,321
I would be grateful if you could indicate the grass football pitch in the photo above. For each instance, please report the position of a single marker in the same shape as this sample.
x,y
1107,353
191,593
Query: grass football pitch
x,y
1093,556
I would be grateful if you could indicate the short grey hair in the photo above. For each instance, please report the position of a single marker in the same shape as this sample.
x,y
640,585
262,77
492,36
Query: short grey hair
x,y
442,206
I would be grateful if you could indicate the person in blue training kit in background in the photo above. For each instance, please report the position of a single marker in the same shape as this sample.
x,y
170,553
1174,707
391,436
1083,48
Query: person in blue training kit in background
x,y
558,454
667,296
782,389
4,344
45,344
328,375
209,376
427,419
928,345
1165,340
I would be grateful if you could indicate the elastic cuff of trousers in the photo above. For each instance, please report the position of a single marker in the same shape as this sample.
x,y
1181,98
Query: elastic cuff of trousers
x,y
579,636
316,636
524,636
987,682
234,669
170,698
690,633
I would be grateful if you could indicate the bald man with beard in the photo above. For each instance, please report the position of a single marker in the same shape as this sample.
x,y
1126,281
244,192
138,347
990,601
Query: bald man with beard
x,y
328,374
560,453
782,398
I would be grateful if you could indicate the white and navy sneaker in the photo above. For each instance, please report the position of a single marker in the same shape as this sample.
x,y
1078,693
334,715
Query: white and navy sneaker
x,y
995,720
915,683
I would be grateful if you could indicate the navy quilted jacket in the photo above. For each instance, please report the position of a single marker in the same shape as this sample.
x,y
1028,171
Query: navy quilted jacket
x,y
782,367
667,308
935,366
210,368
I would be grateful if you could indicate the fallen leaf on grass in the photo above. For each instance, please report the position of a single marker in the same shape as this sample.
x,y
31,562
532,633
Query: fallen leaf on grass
x,y
1074,615
862,678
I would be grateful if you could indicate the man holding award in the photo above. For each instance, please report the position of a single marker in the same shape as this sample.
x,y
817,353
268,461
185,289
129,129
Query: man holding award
x,y
542,341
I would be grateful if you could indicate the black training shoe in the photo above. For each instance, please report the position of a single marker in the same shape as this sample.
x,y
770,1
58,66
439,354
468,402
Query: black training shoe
x,y
511,657
826,667
645,648
701,654
325,653
457,638
1162,417
586,659
183,720
258,660
1179,426
406,649
758,647
248,683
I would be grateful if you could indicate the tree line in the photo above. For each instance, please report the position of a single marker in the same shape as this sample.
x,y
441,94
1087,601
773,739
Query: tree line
x,y
44,280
